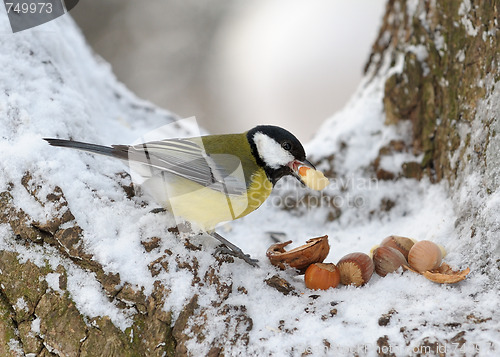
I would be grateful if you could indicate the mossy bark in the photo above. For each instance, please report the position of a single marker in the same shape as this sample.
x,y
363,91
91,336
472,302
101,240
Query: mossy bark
x,y
39,318
36,319
450,52
441,63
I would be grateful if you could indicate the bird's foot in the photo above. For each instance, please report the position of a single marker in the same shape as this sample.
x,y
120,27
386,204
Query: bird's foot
x,y
231,249
223,249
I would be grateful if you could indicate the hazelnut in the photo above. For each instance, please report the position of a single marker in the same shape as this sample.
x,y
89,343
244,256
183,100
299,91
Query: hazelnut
x,y
355,269
373,249
402,244
387,260
322,276
314,251
424,255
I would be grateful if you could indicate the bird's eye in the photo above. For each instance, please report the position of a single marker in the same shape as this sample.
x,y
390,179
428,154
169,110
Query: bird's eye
x,y
286,145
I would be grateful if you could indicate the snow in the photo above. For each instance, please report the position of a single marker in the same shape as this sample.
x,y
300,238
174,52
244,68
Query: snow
x,y
53,281
411,8
440,43
463,11
35,325
420,51
72,95
21,304
15,347
461,56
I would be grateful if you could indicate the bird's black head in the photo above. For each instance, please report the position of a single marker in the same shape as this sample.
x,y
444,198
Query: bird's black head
x,y
278,151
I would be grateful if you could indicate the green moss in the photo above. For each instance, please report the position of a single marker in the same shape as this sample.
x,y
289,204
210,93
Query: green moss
x,y
105,339
449,92
23,284
428,117
7,327
31,343
150,335
61,323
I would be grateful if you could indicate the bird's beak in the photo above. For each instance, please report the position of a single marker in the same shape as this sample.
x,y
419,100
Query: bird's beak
x,y
295,166
308,164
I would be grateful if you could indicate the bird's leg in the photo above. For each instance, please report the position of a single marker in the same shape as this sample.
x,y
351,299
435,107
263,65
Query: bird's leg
x,y
231,249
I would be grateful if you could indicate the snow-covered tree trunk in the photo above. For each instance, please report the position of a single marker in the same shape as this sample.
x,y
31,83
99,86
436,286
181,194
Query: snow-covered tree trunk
x,y
448,53
52,85
450,57
87,269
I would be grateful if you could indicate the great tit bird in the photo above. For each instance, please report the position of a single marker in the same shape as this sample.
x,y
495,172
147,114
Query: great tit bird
x,y
210,179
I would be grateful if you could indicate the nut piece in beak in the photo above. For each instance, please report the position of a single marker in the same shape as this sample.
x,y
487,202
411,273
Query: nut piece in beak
x,y
312,178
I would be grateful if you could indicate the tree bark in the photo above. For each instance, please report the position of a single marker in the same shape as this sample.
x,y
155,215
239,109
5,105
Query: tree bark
x,y
447,86
450,52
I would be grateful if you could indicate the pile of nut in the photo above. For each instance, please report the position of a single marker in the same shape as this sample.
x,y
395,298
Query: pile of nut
x,y
393,253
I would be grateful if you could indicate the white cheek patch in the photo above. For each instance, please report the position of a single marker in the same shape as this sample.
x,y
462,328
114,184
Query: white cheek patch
x,y
271,151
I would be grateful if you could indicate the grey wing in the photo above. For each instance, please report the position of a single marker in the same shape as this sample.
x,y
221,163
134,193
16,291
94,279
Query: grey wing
x,y
188,159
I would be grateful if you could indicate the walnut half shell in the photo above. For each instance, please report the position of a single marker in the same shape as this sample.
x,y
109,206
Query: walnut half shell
x,y
314,251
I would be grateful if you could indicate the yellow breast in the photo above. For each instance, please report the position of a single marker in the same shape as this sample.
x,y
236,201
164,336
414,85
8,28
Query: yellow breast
x,y
206,208
258,192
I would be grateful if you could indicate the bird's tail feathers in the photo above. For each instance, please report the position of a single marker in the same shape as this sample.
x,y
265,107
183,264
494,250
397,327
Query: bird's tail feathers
x,y
117,151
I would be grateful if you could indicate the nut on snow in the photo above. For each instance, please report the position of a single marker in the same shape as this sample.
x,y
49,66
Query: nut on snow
x,y
388,260
425,255
314,251
402,244
355,269
322,276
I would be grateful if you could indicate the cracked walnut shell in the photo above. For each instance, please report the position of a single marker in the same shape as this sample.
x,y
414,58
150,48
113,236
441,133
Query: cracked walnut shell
x,y
314,251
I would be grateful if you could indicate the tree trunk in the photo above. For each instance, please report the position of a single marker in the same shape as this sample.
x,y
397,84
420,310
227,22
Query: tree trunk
x,y
448,55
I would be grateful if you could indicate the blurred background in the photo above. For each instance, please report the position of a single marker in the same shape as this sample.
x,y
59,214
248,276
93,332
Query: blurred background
x,y
235,64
